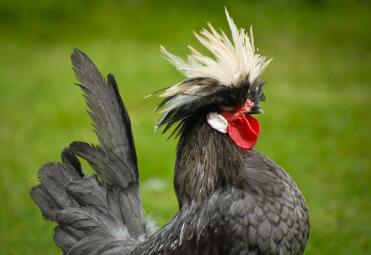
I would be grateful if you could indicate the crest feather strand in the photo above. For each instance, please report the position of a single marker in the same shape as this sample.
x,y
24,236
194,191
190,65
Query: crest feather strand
x,y
233,60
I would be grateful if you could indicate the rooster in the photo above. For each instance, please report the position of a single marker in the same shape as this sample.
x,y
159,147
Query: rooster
x,y
232,199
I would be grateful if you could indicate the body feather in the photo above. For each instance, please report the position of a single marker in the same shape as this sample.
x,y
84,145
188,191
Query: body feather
x,y
231,201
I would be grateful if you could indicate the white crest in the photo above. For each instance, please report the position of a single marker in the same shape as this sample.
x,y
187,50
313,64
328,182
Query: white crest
x,y
233,60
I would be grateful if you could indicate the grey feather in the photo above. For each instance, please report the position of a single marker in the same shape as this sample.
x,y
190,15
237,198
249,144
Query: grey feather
x,y
114,170
107,110
95,214
51,195
88,191
69,158
55,177
45,202
231,201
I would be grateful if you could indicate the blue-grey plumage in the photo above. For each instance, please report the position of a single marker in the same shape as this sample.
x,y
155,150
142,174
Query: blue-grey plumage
x,y
231,200
102,211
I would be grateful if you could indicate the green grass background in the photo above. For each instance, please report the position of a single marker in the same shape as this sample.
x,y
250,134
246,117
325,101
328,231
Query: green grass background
x,y
317,121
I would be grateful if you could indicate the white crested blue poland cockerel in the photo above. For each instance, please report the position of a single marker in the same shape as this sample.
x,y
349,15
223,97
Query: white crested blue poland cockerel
x,y
232,199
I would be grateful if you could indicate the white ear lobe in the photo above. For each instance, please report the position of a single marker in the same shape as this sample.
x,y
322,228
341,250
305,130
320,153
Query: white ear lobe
x,y
217,121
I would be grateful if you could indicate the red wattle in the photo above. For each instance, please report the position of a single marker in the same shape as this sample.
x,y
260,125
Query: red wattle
x,y
243,130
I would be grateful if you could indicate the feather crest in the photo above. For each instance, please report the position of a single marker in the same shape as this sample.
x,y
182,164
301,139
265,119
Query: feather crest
x,y
234,60
233,66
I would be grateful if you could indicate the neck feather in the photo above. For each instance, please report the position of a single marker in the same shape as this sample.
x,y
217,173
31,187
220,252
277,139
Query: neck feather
x,y
206,160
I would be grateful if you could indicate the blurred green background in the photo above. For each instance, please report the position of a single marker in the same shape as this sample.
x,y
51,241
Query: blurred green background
x,y
317,121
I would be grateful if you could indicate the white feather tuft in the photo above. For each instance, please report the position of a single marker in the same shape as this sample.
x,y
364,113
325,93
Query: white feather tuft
x,y
217,122
233,61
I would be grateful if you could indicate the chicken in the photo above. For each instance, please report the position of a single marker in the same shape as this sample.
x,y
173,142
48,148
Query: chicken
x,y
232,199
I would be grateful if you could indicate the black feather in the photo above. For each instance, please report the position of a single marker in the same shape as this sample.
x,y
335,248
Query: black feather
x,y
209,96
69,158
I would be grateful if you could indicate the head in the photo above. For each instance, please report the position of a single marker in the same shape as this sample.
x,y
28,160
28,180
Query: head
x,y
226,81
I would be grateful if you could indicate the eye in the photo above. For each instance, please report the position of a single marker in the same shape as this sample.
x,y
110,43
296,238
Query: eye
x,y
262,97
227,108
256,93
231,98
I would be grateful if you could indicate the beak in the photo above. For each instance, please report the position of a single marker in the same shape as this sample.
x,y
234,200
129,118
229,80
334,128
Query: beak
x,y
255,110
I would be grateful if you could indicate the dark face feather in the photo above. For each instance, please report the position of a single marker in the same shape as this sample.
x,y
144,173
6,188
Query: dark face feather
x,y
210,97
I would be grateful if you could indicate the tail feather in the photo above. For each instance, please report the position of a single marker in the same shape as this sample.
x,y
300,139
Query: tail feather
x,y
88,191
55,177
107,164
122,203
45,202
51,195
69,158
107,110
96,245
66,237
97,214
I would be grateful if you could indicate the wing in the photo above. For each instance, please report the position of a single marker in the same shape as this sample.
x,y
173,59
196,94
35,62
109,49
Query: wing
x,y
270,209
